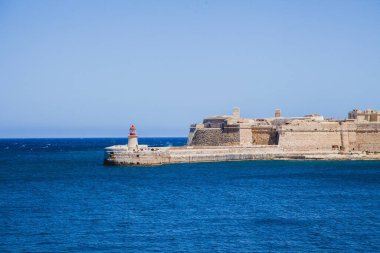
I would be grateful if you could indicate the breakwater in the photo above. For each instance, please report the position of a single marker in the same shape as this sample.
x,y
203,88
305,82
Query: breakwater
x,y
121,155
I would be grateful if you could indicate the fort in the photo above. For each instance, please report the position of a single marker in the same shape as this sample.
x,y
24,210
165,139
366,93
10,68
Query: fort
x,y
233,138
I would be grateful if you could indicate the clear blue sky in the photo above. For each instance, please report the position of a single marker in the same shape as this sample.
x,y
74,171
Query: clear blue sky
x,y
91,68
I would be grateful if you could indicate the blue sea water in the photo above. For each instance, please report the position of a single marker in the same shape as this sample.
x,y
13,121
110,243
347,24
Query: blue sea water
x,y
57,196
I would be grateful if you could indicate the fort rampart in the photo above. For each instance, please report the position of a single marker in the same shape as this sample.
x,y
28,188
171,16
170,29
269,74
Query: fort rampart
x,y
232,138
299,134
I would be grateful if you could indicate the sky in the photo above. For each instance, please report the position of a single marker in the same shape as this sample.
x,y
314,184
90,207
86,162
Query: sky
x,y
92,68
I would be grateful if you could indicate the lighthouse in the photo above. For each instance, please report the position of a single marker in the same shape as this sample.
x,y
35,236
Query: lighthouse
x,y
132,138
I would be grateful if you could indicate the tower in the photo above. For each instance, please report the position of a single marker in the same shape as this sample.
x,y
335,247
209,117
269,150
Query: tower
x,y
236,113
277,113
132,138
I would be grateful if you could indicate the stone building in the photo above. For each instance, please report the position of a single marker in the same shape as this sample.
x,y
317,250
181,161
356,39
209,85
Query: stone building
x,y
367,115
360,132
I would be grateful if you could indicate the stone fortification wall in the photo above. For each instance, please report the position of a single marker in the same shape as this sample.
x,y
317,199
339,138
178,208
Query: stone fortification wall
x,y
193,128
246,134
309,133
229,136
368,137
345,136
264,135
310,136
348,136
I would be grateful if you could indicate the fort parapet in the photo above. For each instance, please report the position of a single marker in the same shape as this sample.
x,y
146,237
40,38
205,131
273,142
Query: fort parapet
x,y
231,137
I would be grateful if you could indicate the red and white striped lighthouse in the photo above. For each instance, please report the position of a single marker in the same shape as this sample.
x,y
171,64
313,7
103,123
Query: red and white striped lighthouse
x,y
132,137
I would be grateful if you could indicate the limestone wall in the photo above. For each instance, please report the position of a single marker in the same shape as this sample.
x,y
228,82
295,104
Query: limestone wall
x,y
368,137
264,135
216,137
348,136
293,134
245,135
230,136
310,136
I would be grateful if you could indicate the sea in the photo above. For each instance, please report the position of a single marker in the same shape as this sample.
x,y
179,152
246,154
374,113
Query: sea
x,y
57,196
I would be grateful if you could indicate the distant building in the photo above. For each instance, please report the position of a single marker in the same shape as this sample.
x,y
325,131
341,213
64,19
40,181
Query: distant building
x,y
367,115
311,132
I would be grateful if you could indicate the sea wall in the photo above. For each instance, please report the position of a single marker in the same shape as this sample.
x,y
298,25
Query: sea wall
x,y
120,155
